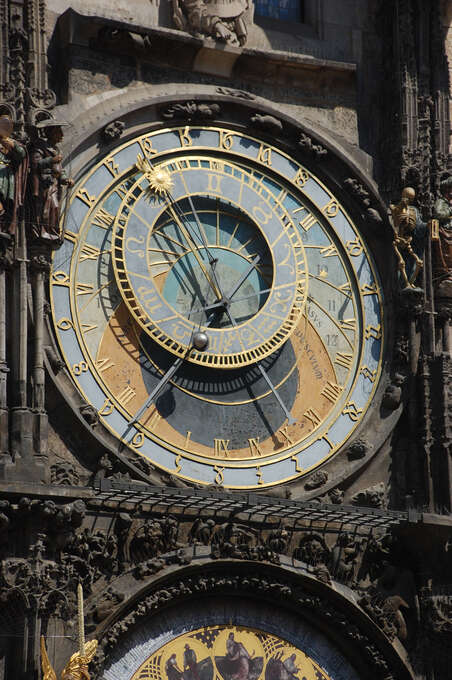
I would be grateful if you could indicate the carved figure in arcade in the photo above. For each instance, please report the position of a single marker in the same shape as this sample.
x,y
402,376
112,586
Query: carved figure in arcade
x,y
221,20
442,239
344,557
13,176
409,236
48,181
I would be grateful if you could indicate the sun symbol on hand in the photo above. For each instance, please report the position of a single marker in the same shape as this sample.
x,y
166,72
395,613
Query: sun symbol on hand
x,y
159,179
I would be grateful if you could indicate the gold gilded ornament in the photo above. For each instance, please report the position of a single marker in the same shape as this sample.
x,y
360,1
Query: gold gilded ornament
x,y
75,669
77,666
159,179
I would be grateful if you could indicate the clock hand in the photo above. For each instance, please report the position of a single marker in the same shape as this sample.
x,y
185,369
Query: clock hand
x,y
212,260
290,419
195,251
162,382
215,305
227,299
244,278
157,389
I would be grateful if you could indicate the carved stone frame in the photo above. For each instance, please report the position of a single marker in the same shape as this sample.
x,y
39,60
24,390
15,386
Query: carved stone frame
x,y
318,604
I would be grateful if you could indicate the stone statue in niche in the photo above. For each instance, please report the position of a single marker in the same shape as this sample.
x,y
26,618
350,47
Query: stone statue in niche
x,y
47,181
442,240
221,20
13,177
409,236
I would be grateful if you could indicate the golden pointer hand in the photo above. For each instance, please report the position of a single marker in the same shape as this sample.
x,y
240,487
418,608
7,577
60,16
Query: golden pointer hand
x,y
195,251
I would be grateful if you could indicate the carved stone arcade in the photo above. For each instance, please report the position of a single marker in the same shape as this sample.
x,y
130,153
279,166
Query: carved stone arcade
x,y
377,568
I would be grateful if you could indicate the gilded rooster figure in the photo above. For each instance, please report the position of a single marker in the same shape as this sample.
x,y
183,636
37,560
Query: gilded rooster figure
x,y
75,669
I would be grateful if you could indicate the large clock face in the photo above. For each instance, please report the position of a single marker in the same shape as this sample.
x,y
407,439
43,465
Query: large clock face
x,y
217,306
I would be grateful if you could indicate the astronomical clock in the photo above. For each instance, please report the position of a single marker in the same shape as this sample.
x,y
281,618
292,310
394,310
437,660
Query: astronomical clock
x,y
216,304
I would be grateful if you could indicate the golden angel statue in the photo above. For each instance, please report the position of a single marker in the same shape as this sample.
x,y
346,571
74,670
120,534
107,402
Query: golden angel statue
x,y
77,666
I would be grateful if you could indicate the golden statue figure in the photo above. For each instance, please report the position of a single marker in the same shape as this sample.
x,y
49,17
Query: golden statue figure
x,y
409,231
75,669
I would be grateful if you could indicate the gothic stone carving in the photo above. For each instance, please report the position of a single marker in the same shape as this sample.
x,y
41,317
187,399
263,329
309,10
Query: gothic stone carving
x,y
238,94
63,473
191,111
442,240
257,581
358,449
308,146
361,194
90,414
113,131
224,22
393,393
267,123
317,479
372,497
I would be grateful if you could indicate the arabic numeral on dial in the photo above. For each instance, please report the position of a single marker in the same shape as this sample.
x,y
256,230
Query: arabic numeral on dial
x,y
331,339
314,317
331,305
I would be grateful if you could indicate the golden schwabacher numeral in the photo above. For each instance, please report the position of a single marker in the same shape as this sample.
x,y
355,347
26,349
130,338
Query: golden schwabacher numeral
x,y
147,148
372,331
354,247
112,166
137,440
301,177
367,373
86,197
331,208
352,410
265,155
184,136
226,140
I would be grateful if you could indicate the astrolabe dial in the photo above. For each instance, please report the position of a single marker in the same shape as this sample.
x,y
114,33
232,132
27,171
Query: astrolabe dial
x,y
228,327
